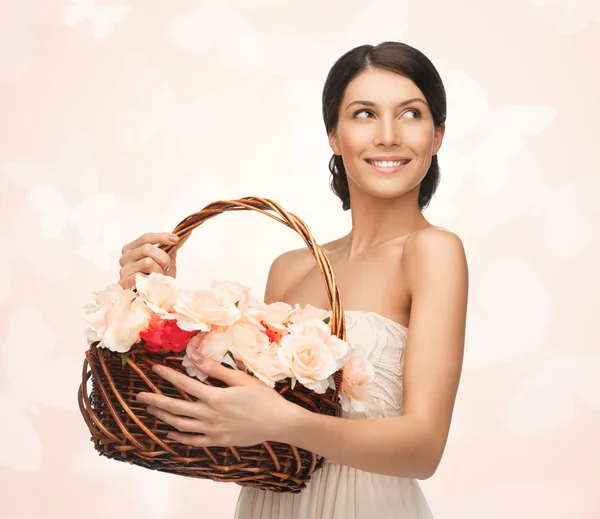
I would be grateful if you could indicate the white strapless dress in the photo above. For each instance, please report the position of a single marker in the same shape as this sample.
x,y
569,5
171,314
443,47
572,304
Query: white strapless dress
x,y
340,492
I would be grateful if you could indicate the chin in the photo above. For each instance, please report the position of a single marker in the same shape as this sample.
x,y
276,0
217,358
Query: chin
x,y
391,194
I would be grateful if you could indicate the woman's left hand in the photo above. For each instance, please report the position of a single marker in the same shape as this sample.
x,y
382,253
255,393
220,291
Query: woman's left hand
x,y
248,412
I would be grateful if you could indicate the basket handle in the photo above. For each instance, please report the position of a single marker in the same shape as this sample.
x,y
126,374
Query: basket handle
x,y
268,207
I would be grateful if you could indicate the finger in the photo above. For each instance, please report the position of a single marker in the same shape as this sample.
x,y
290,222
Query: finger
x,y
156,238
188,425
144,266
146,251
191,386
175,249
213,369
176,406
196,440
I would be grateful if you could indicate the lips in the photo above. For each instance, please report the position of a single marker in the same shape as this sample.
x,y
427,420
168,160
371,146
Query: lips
x,y
388,162
388,165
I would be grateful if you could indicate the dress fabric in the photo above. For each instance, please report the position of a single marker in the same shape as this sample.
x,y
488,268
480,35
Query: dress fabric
x,y
339,492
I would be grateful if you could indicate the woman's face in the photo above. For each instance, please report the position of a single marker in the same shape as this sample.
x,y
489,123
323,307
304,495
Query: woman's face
x,y
385,135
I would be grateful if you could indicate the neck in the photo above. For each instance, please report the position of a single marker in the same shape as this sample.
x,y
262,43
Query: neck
x,y
375,221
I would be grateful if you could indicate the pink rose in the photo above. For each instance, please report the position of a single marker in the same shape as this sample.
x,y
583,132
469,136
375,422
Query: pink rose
x,y
358,375
213,345
164,334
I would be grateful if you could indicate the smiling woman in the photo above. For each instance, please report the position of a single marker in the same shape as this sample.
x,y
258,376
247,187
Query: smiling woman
x,y
379,95
404,285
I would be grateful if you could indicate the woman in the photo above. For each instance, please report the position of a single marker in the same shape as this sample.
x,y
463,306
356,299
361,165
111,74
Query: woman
x,y
405,282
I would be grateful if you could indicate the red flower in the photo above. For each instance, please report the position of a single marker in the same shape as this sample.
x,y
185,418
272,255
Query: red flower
x,y
164,334
273,335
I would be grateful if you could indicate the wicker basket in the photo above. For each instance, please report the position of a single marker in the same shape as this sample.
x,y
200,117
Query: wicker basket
x,y
121,428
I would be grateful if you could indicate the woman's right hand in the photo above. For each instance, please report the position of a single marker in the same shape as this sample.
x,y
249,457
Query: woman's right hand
x,y
141,256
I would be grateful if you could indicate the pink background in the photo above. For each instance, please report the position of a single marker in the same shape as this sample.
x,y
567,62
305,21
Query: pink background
x,y
121,118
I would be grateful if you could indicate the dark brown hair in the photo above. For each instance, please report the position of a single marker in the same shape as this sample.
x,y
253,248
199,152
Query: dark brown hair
x,y
395,57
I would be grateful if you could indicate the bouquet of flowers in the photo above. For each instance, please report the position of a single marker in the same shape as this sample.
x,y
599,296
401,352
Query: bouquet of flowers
x,y
274,342
300,351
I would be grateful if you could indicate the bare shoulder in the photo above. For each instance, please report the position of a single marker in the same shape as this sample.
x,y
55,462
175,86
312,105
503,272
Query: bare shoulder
x,y
291,267
285,270
293,258
434,251
301,260
432,241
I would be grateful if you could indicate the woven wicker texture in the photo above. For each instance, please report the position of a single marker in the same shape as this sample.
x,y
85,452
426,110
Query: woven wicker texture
x,y
122,430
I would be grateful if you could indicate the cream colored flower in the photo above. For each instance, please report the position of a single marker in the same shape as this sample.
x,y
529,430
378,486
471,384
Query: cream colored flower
x,y
358,375
275,315
213,345
95,310
309,312
254,349
158,291
318,329
201,309
116,319
236,292
102,298
309,359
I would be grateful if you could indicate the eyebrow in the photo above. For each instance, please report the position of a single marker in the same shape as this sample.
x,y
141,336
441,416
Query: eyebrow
x,y
403,103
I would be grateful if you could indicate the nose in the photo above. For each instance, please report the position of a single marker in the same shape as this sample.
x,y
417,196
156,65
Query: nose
x,y
387,133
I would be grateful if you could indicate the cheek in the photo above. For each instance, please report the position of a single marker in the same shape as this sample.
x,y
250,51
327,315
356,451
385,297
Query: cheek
x,y
354,142
421,139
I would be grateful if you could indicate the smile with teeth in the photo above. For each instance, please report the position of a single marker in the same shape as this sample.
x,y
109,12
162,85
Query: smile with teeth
x,y
388,163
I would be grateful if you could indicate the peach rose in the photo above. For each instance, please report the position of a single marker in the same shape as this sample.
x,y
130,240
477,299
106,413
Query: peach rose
x,y
213,345
318,329
252,347
275,315
309,359
158,291
236,292
102,302
202,309
103,298
117,324
309,312
358,375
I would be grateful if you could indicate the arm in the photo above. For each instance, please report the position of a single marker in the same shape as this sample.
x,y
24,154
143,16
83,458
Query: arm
x,y
410,445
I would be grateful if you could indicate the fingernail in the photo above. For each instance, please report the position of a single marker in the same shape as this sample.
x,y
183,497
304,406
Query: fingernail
x,y
157,369
173,238
197,358
141,398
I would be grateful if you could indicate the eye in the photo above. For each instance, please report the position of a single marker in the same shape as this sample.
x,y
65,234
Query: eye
x,y
414,111
363,111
